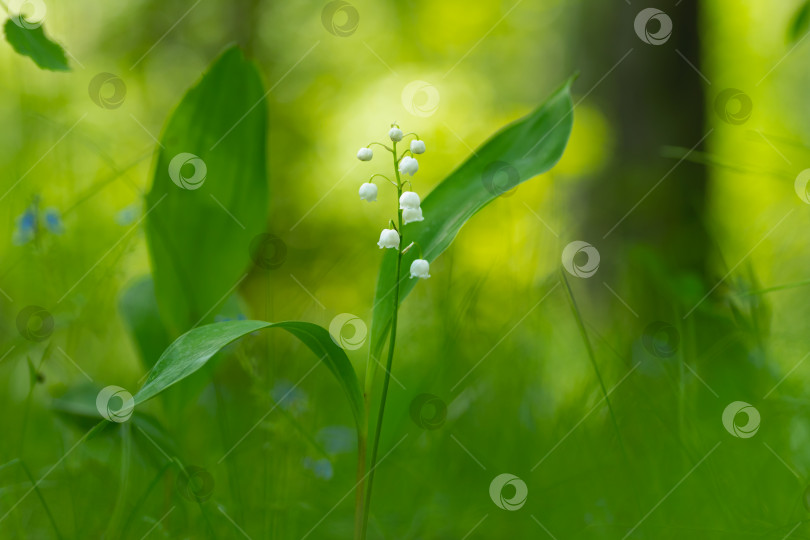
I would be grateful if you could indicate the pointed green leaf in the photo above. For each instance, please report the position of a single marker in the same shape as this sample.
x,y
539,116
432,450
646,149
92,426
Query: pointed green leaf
x,y
34,43
528,147
193,349
800,23
209,195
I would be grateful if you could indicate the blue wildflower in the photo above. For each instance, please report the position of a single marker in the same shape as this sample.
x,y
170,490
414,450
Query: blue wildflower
x,y
26,228
31,222
337,439
128,215
321,467
222,318
53,221
291,399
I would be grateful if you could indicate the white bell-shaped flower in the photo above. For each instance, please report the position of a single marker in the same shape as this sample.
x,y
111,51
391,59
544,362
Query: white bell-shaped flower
x,y
412,214
420,269
365,154
408,165
389,238
409,199
396,134
417,147
368,192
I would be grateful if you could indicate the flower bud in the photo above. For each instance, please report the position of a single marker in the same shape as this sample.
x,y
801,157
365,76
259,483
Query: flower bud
x,y
420,269
368,192
417,147
409,199
389,238
396,134
365,154
408,165
412,214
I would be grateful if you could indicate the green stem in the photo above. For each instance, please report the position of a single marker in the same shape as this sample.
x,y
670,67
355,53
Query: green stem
x,y
589,349
361,477
390,361
34,483
375,175
383,145
776,288
142,499
113,530
592,357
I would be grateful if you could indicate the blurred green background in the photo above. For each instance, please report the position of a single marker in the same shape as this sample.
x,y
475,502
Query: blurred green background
x,y
695,218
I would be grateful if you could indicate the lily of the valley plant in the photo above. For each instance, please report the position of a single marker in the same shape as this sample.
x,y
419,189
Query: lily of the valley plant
x,y
408,210
420,231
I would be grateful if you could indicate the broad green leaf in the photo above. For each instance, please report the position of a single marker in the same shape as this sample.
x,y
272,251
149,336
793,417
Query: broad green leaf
x,y
528,147
139,309
199,231
193,349
800,23
34,43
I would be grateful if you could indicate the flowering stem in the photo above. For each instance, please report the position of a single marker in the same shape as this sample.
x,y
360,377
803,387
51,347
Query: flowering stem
x,y
362,440
389,363
375,175
412,244
383,145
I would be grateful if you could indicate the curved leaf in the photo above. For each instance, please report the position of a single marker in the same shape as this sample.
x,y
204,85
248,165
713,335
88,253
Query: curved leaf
x,y
522,150
34,43
199,232
193,349
800,23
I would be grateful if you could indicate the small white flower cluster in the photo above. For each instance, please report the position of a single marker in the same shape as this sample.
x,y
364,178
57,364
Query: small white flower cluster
x,y
410,209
